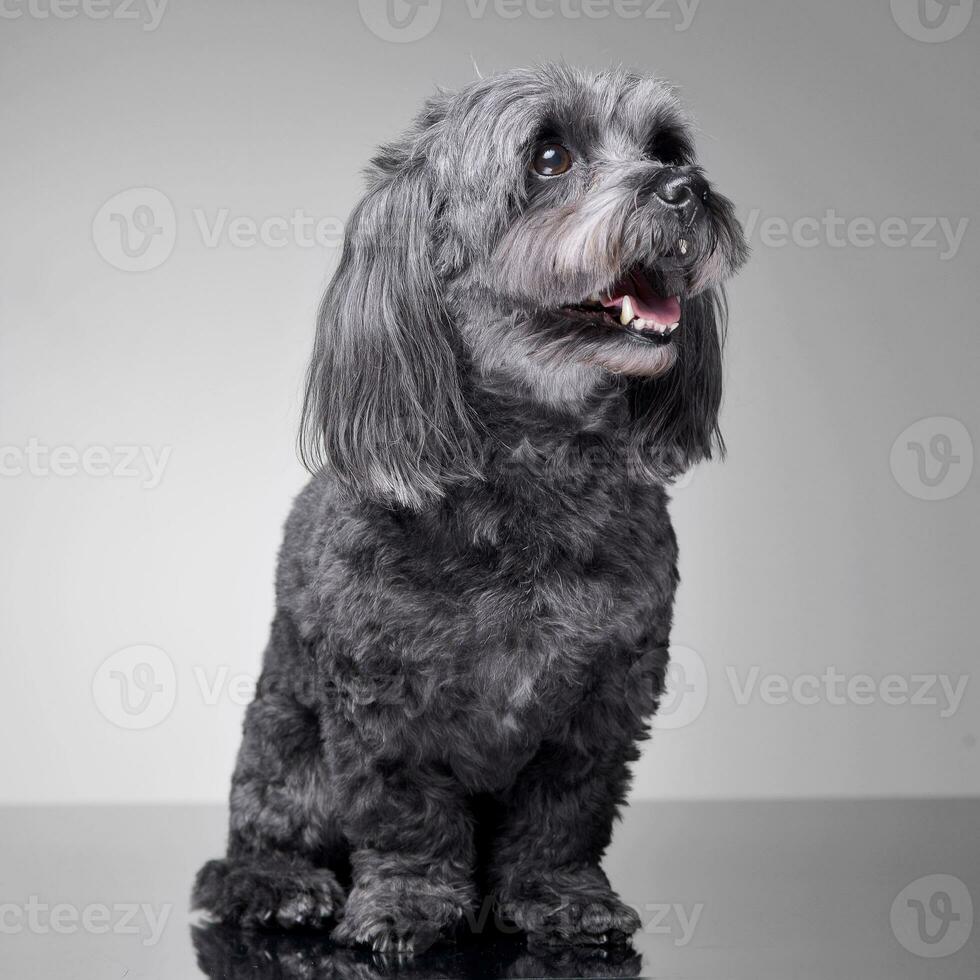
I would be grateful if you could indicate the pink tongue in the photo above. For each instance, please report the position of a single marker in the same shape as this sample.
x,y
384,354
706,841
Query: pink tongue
x,y
646,303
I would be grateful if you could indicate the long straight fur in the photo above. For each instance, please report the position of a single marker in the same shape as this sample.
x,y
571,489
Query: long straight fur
x,y
383,344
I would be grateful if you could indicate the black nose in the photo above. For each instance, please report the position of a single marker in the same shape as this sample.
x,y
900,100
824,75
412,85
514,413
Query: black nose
x,y
680,189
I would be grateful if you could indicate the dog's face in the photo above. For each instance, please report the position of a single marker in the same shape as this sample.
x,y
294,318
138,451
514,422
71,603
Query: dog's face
x,y
583,223
546,229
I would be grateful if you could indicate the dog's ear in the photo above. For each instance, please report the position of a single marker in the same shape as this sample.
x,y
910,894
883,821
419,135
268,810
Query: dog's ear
x,y
675,417
384,408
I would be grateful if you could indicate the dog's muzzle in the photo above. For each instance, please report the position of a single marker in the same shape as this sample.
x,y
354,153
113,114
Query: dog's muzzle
x,y
682,190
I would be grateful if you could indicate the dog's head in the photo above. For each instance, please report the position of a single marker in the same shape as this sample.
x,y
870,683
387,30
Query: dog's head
x,y
547,230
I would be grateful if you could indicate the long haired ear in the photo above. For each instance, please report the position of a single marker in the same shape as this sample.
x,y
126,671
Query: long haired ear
x,y
384,409
675,417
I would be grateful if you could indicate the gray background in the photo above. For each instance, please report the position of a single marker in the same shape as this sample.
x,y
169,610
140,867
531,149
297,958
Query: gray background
x,y
810,549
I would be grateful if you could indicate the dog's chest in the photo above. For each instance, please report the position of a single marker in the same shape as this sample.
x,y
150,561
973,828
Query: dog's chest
x,y
494,638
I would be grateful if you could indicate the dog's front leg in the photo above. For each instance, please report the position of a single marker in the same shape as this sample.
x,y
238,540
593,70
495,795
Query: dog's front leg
x,y
557,823
412,859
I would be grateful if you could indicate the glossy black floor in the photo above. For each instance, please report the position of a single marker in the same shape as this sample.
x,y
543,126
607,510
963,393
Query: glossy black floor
x,y
725,890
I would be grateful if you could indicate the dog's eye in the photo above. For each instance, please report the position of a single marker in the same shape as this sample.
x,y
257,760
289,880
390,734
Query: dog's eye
x,y
670,147
552,160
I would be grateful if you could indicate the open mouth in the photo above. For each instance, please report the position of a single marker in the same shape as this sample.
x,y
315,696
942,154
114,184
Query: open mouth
x,y
634,306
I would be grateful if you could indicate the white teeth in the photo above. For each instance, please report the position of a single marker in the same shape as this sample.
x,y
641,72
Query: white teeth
x,y
626,315
682,245
651,326
647,325
594,298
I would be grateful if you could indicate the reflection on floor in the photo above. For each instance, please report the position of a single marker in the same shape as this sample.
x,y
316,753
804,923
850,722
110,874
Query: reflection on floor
x,y
228,954
875,889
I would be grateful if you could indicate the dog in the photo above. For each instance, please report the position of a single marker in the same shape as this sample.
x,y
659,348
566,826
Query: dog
x,y
520,350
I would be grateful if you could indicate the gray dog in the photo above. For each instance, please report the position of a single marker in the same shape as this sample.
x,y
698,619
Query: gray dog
x,y
520,349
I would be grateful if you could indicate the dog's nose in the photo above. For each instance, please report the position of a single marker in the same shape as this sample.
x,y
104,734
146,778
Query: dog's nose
x,y
680,189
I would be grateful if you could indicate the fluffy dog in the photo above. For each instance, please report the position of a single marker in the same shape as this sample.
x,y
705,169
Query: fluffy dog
x,y
520,349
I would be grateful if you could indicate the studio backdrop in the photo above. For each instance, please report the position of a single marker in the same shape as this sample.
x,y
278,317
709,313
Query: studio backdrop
x,y
175,184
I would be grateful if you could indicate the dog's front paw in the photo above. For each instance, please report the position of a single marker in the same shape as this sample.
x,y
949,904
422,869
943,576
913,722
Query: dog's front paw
x,y
569,909
402,915
268,894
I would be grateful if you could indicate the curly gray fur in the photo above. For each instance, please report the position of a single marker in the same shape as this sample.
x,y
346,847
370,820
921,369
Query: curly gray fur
x,y
475,590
